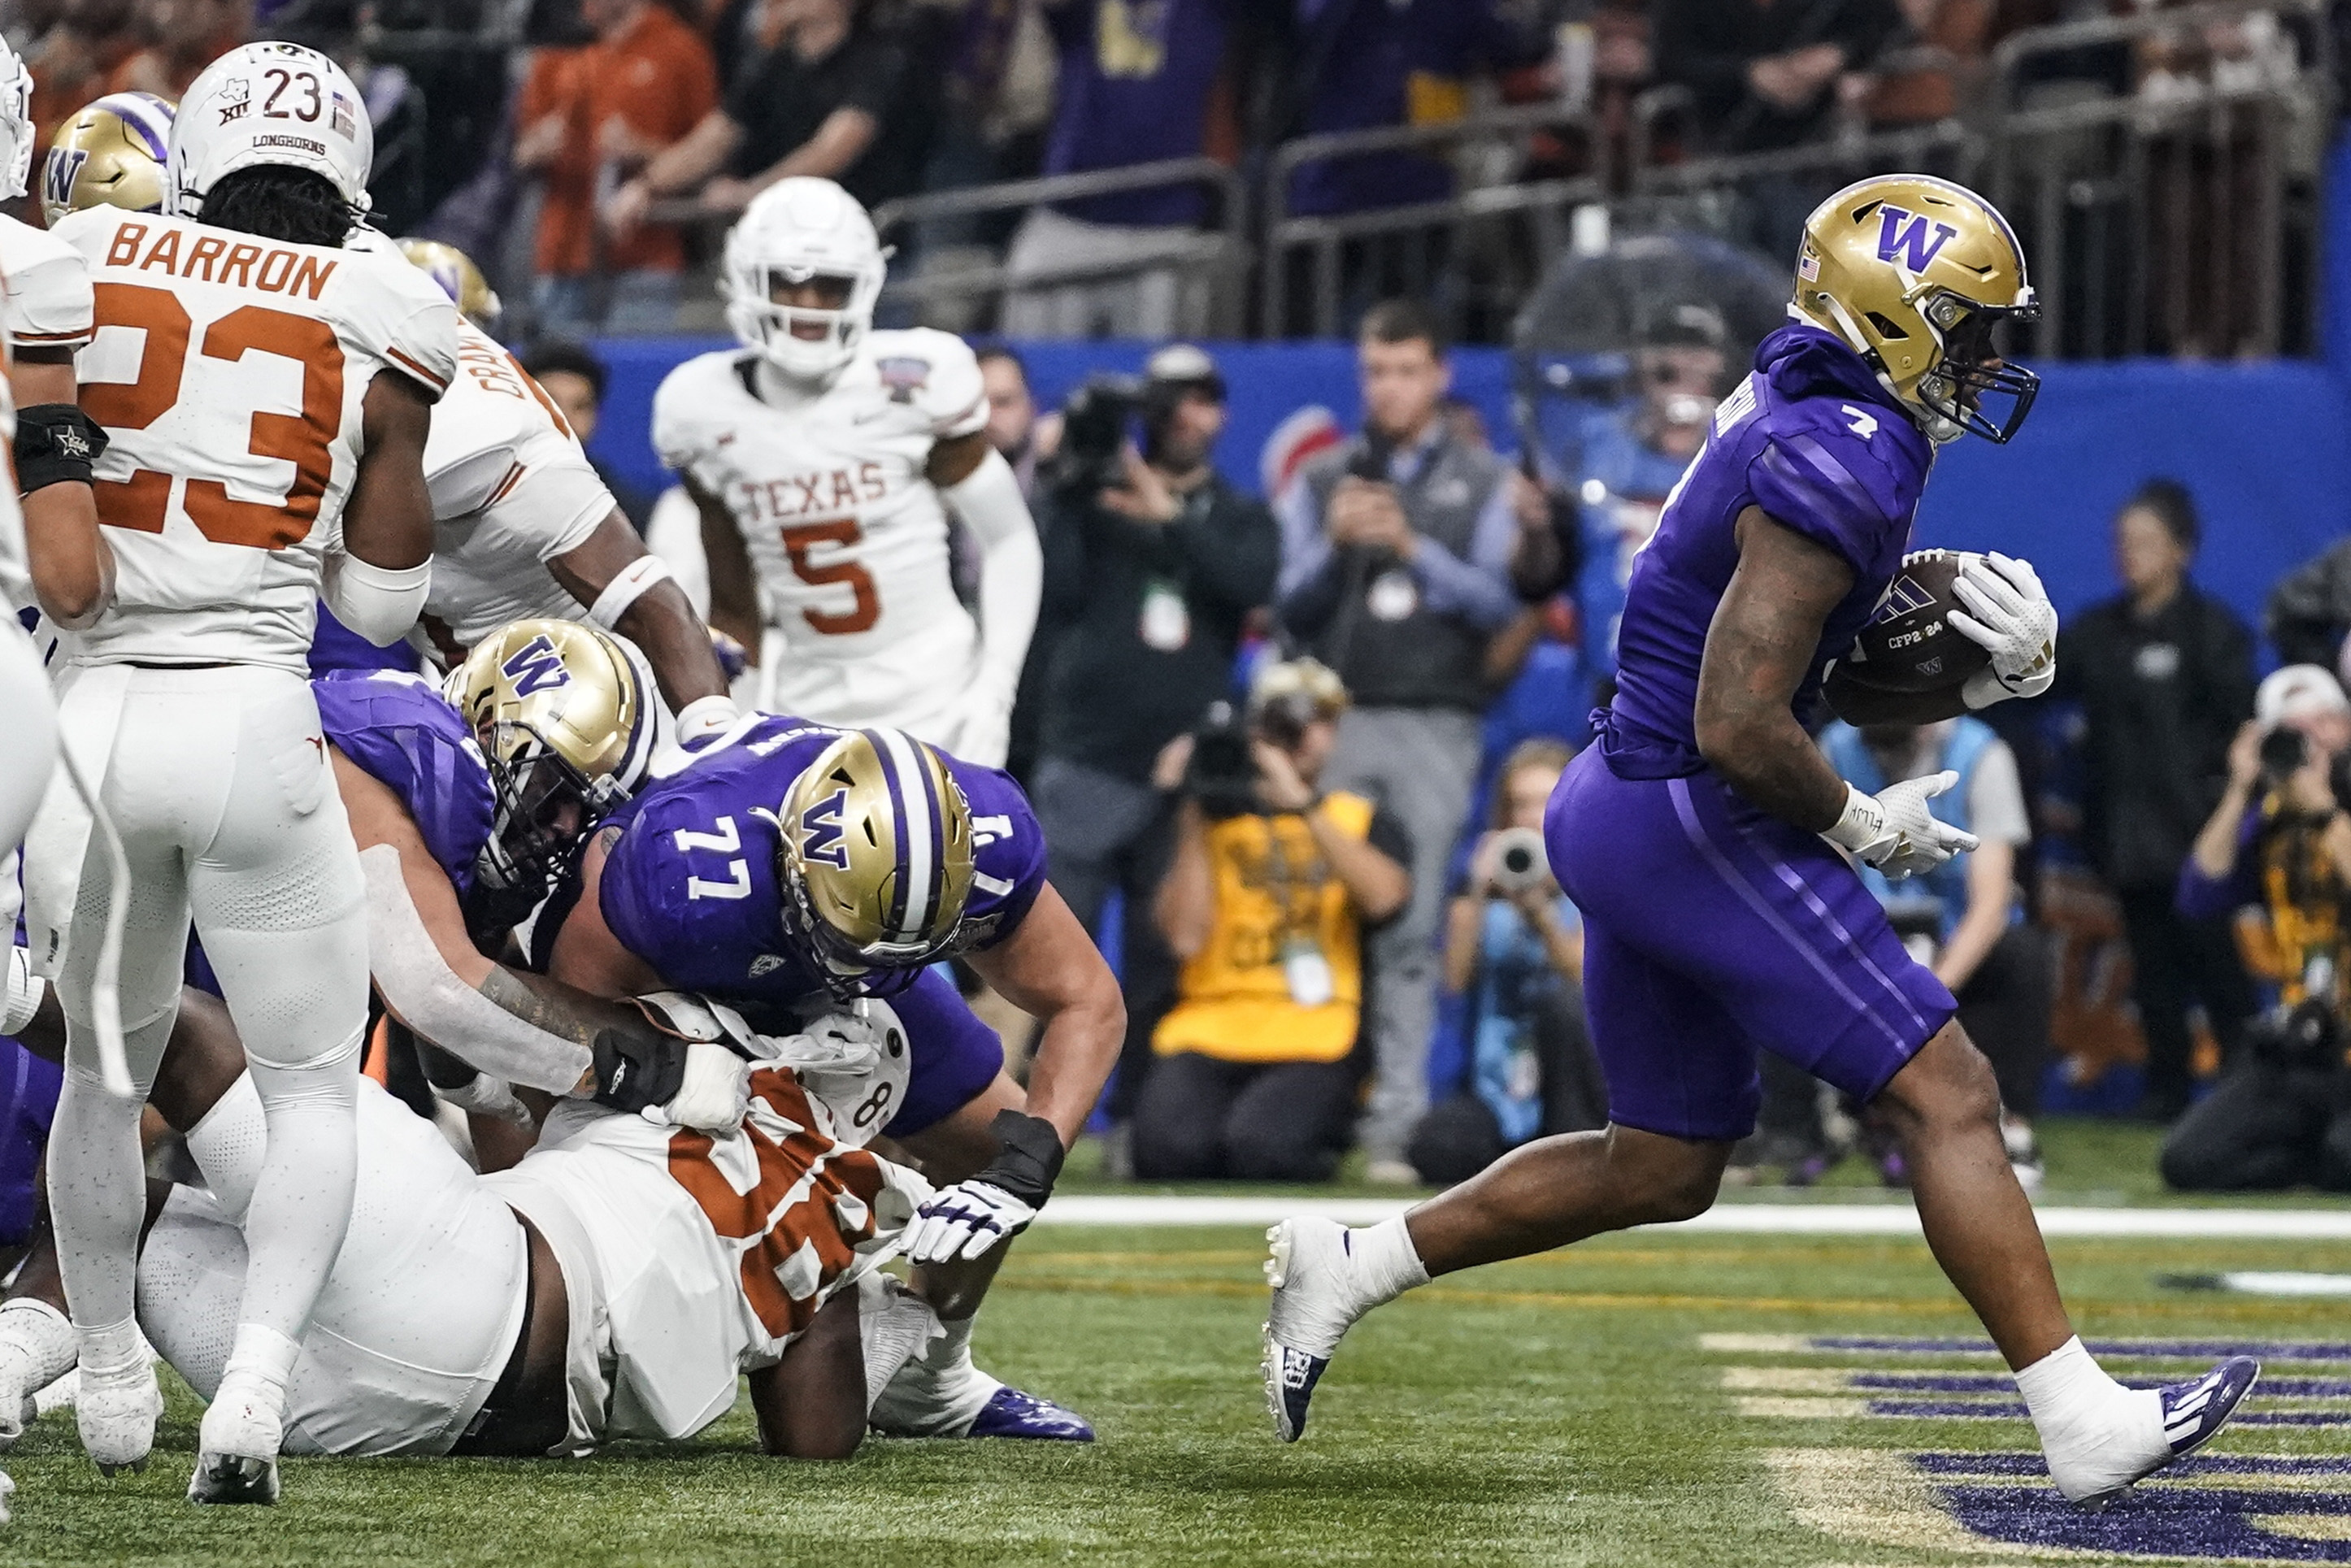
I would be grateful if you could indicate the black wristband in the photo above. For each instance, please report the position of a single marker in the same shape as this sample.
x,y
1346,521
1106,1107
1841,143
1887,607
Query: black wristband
x,y
442,1069
635,1070
1028,1159
55,443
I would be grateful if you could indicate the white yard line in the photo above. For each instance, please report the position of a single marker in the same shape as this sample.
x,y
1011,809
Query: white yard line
x,y
1746,1218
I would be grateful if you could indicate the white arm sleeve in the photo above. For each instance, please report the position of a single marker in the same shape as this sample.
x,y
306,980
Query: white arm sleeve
x,y
1012,577
429,999
379,603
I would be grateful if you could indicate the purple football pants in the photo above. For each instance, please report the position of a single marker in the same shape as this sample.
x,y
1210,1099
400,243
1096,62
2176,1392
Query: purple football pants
x,y
1712,930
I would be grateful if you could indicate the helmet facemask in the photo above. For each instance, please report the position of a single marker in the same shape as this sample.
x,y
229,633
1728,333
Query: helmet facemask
x,y
849,970
543,811
804,341
1971,370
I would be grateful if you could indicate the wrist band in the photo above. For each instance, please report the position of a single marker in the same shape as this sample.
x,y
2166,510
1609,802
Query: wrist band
x,y
1862,820
627,587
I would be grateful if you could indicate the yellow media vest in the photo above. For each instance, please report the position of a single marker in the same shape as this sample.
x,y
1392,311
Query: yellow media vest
x,y
1273,889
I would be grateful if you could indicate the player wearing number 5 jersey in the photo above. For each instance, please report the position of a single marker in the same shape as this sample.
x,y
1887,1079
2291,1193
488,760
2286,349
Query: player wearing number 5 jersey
x,y
823,461
266,397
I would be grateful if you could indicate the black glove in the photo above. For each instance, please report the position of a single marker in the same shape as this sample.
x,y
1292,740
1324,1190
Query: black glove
x,y
637,1069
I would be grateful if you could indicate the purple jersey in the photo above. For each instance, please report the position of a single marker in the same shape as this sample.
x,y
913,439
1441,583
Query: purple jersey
x,y
1813,439
398,730
691,887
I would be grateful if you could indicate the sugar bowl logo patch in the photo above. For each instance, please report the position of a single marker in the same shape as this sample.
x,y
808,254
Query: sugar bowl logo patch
x,y
905,377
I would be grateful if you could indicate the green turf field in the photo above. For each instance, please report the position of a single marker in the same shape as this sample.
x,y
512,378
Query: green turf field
x,y
1560,1410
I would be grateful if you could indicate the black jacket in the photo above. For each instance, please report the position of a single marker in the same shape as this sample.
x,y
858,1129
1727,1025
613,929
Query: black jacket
x,y
2163,699
2310,609
1113,699
1707,45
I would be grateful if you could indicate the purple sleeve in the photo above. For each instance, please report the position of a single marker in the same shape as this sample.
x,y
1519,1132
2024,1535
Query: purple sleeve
x,y
398,730
2202,897
1009,869
1828,491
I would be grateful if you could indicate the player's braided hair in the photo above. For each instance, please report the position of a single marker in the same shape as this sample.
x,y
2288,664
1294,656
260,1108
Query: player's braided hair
x,y
280,202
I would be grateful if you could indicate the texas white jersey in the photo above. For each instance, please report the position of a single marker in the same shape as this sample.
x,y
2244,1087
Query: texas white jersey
x,y
47,303
691,1260
511,490
847,536
229,372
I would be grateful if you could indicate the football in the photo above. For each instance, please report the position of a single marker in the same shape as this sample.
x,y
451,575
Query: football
x,y
1909,645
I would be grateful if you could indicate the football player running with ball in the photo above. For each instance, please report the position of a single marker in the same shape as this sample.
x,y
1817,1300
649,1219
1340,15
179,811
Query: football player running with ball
x,y
266,398
823,461
1704,836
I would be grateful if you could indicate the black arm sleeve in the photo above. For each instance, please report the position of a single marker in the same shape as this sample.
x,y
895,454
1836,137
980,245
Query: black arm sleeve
x,y
56,444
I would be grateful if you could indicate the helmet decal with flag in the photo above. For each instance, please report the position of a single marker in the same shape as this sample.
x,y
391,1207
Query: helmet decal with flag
x,y
794,231
272,103
568,718
458,279
110,154
16,124
876,861
1915,274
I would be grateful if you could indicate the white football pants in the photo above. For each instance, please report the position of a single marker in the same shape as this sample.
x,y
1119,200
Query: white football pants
x,y
218,783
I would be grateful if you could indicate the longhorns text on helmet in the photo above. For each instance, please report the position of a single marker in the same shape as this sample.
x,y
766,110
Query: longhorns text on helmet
x,y
1914,273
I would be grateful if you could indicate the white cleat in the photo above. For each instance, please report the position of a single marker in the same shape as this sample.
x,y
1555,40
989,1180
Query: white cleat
x,y
6,1486
237,1449
1312,1307
38,1348
117,1412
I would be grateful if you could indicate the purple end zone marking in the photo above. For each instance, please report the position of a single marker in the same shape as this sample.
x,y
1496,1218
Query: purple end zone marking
x,y
2167,1349
2007,1409
2001,1383
2170,1521
2014,1464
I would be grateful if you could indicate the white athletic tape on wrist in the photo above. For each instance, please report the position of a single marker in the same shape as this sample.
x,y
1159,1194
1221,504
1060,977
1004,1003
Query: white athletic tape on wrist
x,y
1864,819
428,997
628,585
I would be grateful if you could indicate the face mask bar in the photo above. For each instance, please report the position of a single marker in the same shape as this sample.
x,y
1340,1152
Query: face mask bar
x,y
1969,379
528,846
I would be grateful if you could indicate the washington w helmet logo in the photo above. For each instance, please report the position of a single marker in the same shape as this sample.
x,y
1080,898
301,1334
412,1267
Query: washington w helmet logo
x,y
821,835
1916,239
535,667
58,176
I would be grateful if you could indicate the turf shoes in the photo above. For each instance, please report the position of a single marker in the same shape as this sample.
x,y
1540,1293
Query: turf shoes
x,y
2194,1414
1010,1413
233,1478
1313,1305
117,1410
237,1448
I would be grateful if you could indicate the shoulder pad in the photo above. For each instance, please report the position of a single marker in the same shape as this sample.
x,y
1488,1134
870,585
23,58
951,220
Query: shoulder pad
x,y
934,372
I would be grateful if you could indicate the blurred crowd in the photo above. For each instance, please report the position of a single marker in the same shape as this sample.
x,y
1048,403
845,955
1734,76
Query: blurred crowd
x,y
587,152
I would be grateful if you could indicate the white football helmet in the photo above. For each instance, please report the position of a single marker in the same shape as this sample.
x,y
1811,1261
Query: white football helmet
x,y
794,230
269,104
16,124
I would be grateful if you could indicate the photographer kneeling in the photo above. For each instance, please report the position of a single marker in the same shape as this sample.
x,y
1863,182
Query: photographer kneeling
x,y
1273,888
2280,839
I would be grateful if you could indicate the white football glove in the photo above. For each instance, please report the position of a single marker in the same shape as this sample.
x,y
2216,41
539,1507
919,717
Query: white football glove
x,y
714,1095
1893,829
483,1095
2008,614
965,1220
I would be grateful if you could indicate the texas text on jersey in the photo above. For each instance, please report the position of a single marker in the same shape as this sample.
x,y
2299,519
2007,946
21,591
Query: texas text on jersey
x,y
229,374
844,531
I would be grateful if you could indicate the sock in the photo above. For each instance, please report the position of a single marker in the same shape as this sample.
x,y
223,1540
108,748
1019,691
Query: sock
x,y
111,1350
228,1143
893,1326
939,1393
248,1411
1387,1264
301,1206
2096,1434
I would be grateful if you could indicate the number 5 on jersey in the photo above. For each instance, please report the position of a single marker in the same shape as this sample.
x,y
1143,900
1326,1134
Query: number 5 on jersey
x,y
143,500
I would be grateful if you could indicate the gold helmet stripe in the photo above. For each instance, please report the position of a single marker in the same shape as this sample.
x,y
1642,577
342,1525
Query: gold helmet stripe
x,y
915,803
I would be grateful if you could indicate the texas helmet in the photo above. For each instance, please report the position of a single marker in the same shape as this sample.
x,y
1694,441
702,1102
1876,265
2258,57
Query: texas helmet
x,y
16,124
108,156
568,718
794,231
1915,274
459,278
875,861
269,104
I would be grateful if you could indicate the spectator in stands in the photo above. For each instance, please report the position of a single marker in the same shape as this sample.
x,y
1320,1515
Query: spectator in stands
x,y
575,379
587,115
1514,949
1273,885
1396,556
1137,84
2164,673
1763,76
72,51
1153,582
2279,840
183,37
1964,919
1012,422
830,100
2310,610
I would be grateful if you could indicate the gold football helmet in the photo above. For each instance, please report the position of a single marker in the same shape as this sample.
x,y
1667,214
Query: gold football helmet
x,y
110,154
459,278
1915,274
877,863
568,718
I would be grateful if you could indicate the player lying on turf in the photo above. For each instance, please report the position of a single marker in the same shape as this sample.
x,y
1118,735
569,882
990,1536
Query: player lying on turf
x,y
792,861
614,1284
1700,836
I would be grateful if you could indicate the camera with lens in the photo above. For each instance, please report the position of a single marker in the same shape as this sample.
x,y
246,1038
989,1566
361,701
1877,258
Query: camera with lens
x,y
2285,751
1095,421
1222,776
1520,863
